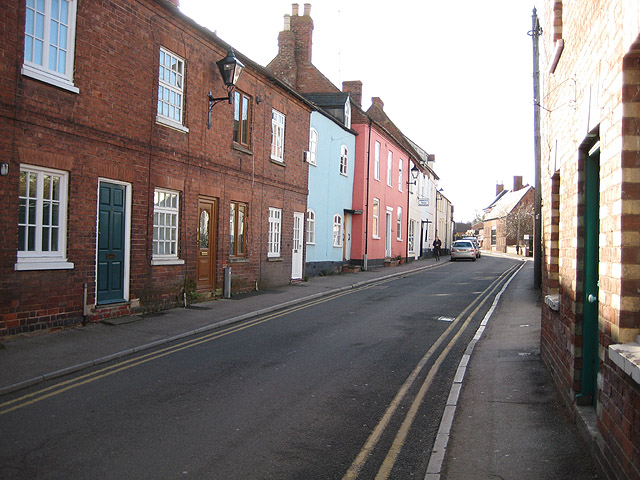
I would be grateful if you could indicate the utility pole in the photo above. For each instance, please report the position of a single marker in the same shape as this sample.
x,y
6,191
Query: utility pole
x,y
535,33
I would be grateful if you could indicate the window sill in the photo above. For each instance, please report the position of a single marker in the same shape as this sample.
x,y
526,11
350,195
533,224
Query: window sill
x,y
241,148
627,357
171,124
277,161
43,265
167,261
553,302
274,259
238,260
43,76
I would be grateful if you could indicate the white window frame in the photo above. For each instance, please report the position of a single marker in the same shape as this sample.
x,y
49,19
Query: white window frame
x,y
376,161
171,82
400,172
337,230
277,135
313,146
344,160
389,168
39,259
161,229
399,224
275,232
311,227
36,66
375,215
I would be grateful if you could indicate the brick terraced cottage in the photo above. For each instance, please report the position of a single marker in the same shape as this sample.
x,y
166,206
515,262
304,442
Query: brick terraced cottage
x,y
590,176
118,196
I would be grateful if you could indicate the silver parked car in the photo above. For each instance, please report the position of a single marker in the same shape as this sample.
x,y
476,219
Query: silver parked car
x,y
463,249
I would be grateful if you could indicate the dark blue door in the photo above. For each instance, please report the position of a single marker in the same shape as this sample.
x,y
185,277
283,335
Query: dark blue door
x,y
111,259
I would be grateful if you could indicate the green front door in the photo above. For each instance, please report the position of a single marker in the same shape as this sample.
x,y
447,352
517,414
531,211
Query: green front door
x,y
590,278
111,221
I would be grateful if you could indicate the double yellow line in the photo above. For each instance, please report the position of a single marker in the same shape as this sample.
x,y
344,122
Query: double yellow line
x,y
61,387
398,442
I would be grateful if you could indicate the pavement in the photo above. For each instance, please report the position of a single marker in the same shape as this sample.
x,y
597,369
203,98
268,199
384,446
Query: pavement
x,y
503,418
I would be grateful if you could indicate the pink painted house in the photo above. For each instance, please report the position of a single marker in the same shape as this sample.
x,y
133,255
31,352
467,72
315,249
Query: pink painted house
x,y
380,192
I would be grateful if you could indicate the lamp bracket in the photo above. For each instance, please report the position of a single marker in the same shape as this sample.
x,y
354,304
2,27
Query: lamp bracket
x,y
215,100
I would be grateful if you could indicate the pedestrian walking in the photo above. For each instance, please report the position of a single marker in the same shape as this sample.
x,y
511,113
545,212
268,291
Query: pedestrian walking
x,y
436,248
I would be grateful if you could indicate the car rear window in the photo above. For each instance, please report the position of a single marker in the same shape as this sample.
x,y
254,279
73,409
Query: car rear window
x,y
460,244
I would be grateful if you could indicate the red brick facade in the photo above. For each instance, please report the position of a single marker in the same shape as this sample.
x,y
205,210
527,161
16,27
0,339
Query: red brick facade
x,y
591,78
108,131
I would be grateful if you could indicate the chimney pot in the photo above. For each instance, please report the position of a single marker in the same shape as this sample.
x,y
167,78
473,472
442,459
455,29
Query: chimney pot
x,y
307,9
294,9
287,22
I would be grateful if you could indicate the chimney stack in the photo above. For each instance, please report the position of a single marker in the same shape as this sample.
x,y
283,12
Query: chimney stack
x,y
378,101
517,183
302,28
354,89
499,188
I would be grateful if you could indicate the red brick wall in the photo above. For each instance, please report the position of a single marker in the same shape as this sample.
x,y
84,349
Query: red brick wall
x,y
109,130
592,94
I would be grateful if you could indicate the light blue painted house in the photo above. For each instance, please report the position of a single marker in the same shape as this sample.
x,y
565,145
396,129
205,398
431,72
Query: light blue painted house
x,y
331,167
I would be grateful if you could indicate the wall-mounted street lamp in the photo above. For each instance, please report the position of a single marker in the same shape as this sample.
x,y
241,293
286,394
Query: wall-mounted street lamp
x,y
230,69
415,171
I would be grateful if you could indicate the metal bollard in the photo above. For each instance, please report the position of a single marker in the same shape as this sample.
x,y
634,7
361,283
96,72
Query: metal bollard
x,y
226,293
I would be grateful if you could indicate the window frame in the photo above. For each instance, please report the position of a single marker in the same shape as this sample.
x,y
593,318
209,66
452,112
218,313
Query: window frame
x,y
344,160
38,71
167,85
338,226
164,258
274,239
39,259
376,161
494,236
238,241
310,225
242,126
389,168
400,173
399,223
313,146
278,125
375,218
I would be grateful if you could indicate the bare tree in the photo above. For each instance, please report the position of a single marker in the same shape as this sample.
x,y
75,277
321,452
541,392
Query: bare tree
x,y
519,222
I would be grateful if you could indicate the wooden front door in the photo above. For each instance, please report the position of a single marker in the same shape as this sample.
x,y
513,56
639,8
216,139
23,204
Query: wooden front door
x,y
297,257
207,214
111,247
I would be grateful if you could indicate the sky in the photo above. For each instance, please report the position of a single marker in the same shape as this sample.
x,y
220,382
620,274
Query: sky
x,y
455,77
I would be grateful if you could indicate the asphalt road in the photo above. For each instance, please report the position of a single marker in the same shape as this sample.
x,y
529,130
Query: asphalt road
x,y
348,386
